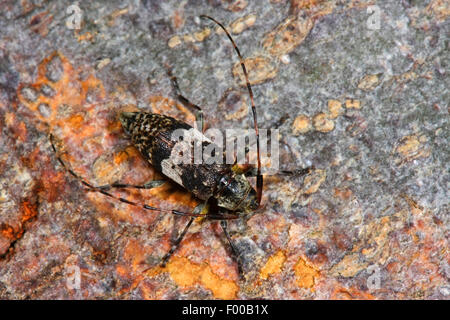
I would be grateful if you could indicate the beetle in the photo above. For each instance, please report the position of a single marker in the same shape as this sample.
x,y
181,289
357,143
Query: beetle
x,y
225,184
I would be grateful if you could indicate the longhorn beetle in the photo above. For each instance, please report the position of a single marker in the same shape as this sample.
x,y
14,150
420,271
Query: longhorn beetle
x,y
225,184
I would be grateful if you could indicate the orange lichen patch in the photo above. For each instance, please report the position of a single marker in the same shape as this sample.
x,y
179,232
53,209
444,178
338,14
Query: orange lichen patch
x,y
120,157
134,255
167,106
174,42
288,35
352,104
369,82
259,69
7,231
186,274
75,121
29,211
313,181
323,123
412,147
21,131
440,8
305,274
11,233
273,265
87,36
241,24
301,124
68,90
83,132
334,109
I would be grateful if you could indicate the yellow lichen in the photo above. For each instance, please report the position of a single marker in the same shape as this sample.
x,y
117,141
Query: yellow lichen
x,y
322,123
273,265
334,108
186,273
301,124
369,82
412,147
260,69
288,35
174,41
352,104
202,35
242,24
305,274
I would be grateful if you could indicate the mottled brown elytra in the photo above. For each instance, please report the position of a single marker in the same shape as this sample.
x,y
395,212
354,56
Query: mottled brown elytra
x,y
224,184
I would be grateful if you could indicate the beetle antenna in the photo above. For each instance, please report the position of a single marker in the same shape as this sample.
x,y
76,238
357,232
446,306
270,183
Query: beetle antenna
x,y
259,177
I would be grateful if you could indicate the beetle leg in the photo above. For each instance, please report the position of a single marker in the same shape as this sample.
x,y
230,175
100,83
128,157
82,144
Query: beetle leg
x,y
184,100
236,255
176,243
149,185
297,172
253,171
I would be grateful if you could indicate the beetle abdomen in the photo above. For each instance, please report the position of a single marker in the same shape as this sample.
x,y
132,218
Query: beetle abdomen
x,y
153,136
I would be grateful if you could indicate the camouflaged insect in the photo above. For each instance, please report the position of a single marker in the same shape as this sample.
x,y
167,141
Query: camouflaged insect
x,y
153,135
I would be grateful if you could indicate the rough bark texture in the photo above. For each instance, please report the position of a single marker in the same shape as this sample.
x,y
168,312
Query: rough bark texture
x,y
367,106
